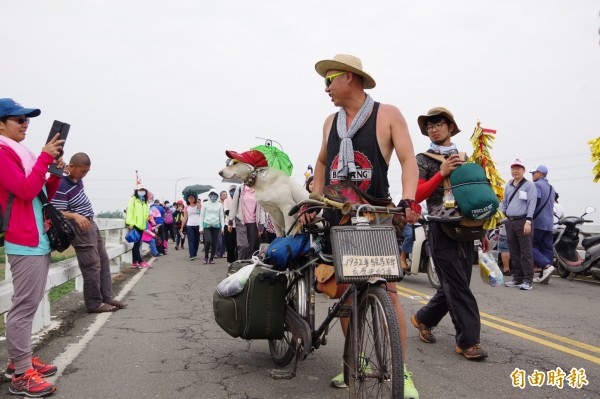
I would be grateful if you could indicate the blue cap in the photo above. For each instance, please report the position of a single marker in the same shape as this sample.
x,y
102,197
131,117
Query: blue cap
x,y
9,107
541,168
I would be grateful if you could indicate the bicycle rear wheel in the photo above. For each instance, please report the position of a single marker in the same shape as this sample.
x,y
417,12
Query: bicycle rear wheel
x,y
283,350
379,370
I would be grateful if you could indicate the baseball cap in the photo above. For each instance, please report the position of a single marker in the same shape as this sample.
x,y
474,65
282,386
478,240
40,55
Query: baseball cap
x,y
517,162
9,107
541,168
252,157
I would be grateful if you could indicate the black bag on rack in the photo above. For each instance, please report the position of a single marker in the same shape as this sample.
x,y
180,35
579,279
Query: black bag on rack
x,y
58,228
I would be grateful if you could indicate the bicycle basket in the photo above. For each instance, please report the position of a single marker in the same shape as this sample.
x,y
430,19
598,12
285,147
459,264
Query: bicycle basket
x,y
362,252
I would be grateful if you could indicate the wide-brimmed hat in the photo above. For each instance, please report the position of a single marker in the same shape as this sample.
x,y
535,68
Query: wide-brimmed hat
x,y
9,107
422,120
345,62
252,157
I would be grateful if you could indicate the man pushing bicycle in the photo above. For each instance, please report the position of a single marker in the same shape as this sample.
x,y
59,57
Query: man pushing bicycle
x,y
357,146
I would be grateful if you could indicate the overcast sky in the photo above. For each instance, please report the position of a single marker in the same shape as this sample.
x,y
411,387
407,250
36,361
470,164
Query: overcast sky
x,y
166,87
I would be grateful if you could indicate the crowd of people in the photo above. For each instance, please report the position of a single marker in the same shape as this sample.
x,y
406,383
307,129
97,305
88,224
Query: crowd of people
x,y
232,223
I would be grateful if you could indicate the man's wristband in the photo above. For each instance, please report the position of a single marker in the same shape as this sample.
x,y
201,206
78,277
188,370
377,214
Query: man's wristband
x,y
410,204
528,221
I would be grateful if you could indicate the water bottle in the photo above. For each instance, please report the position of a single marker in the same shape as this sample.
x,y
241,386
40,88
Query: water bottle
x,y
317,245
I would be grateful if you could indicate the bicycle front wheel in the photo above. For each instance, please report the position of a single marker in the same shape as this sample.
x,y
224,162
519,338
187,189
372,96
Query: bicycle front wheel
x,y
378,372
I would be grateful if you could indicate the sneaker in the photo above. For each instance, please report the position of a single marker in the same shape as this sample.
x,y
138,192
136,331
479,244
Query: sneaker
x,y
43,369
473,352
525,286
146,265
513,283
410,392
156,255
193,258
425,332
176,248
31,385
537,279
211,261
135,265
205,261
546,273
338,381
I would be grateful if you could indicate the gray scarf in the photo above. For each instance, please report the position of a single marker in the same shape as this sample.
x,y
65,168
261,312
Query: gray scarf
x,y
346,159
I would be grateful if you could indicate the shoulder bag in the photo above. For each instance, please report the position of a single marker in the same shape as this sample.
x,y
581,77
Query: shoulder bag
x,y
59,229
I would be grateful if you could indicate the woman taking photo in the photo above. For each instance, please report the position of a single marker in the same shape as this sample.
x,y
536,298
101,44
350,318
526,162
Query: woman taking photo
x,y
191,223
136,218
25,243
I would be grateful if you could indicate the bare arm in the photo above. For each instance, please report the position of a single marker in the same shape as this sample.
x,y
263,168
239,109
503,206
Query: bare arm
x,y
406,154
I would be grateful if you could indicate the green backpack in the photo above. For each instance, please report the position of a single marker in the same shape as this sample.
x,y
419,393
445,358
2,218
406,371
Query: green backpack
x,y
473,193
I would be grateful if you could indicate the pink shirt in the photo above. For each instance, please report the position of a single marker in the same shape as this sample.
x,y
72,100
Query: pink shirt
x,y
248,202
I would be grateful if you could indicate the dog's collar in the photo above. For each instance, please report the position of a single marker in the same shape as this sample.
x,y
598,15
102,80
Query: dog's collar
x,y
254,172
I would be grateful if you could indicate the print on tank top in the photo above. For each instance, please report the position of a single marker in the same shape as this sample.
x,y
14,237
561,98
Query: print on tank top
x,y
364,171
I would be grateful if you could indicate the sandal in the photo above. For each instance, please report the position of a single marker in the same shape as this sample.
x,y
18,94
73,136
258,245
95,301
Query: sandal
x,y
105,307
118,304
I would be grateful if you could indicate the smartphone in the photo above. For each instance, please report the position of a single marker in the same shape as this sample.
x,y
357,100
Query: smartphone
x,y
63,129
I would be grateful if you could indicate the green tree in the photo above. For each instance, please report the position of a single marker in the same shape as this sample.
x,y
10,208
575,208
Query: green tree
x,y
111,215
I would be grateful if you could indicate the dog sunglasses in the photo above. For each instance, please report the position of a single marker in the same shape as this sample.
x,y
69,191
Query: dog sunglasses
x,y
329,79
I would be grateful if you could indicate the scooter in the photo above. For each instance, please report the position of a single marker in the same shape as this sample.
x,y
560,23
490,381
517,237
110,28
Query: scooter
x,y
568,261
420,260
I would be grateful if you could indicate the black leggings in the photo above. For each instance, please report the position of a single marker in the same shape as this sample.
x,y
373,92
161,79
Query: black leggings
x,y
211,235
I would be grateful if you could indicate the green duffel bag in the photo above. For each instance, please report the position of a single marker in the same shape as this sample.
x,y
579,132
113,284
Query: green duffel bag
x,y
258,312
473,193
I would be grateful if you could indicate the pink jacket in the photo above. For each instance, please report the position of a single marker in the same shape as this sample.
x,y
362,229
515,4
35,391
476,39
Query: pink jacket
x,y
22,229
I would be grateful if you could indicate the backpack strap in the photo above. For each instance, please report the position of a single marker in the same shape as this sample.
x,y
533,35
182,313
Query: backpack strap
x,y
441,158
8,209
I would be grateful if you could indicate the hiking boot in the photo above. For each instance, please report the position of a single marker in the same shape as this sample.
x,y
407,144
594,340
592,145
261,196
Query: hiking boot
x,y
31,385
525,286
135,265
425,332
546,273
43,369
410,392
472,352
513,283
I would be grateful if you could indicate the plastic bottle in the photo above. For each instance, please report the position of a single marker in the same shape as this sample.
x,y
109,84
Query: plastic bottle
x,y
489,270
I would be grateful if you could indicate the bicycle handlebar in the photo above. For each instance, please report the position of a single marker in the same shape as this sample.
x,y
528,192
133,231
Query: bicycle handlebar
x,y
345,207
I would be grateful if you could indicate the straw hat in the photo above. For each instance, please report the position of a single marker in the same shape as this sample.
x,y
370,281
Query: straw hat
x,y
422,120
345,62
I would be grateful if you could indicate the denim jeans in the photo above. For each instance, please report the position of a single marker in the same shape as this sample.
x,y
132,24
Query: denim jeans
x,y
409,238
193,233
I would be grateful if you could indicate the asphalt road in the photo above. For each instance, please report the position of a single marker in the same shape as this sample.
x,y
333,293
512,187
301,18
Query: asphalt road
x,y
166,344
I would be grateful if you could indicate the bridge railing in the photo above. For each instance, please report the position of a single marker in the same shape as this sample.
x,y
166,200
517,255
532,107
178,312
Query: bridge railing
x,y
113,232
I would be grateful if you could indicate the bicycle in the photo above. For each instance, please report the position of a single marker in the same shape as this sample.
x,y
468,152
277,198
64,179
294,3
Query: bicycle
x,y
366,257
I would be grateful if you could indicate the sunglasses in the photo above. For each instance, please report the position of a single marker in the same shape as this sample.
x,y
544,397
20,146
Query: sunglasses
x,y
329,79
19,119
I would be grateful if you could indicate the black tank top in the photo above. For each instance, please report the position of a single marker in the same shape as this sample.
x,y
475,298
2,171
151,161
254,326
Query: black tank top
x,y
371,168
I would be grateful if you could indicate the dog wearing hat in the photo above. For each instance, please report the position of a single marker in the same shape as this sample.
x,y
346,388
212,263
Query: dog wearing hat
x,y
275,191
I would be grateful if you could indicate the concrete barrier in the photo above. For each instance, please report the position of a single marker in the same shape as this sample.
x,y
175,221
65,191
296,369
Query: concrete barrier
x,y
113,232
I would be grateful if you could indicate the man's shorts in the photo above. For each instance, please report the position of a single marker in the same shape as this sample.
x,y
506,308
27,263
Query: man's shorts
x,y
502,244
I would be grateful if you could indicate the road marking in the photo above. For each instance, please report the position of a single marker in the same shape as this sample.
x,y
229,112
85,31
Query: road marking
x,y
63,360
412,294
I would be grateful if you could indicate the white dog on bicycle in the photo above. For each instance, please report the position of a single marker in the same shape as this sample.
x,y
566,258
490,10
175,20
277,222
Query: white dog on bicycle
x,y
275,191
